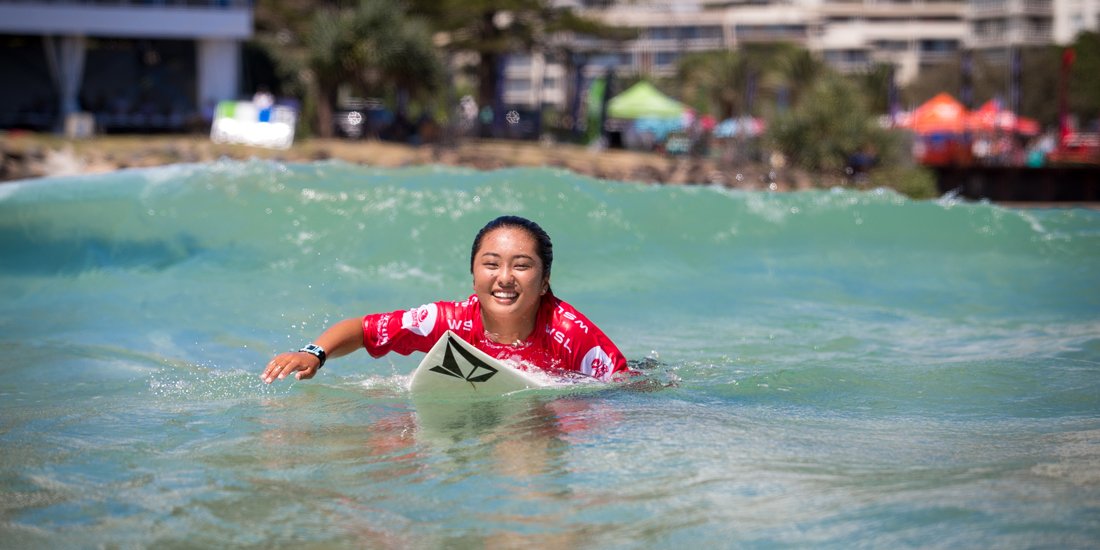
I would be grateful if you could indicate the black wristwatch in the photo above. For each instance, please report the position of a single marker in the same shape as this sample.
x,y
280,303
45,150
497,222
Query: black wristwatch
x,y
316,351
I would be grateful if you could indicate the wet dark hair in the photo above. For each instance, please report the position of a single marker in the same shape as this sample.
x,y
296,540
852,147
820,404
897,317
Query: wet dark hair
x,y
543,247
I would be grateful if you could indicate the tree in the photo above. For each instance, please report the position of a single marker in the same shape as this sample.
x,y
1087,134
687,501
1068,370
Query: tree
x,y
720,77
877,82
831,122
797,70
1084,86
491,29
281,29
1039,81
757,79
373,46
987,80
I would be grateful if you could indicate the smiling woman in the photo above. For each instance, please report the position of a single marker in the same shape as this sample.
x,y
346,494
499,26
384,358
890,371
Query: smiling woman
x,y
512,316
510,261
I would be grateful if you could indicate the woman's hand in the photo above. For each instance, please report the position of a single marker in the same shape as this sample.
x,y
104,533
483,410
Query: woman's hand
x,y
305,364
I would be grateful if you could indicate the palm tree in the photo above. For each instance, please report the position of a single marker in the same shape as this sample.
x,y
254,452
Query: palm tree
x,y
734,81
878,82
799,68
721,76
326,66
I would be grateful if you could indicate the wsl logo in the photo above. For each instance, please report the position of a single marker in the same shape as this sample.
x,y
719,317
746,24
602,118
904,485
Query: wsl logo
x,y
479,371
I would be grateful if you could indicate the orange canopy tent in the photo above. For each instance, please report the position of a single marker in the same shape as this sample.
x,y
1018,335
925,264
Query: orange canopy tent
x,y
942,114
1027,126
992,116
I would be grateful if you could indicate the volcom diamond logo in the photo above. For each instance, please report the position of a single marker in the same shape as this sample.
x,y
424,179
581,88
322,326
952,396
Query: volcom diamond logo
x,y
480,371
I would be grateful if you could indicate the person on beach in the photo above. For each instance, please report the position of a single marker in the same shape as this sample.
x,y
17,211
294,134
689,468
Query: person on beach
x,y
512,315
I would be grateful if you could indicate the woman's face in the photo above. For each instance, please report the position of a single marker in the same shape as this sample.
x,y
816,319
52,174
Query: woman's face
x,y
508,274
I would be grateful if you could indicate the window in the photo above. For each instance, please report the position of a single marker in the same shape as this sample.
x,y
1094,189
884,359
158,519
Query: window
x,y
846,56
892,45
710,33
660,33
667,58
517,85
939,46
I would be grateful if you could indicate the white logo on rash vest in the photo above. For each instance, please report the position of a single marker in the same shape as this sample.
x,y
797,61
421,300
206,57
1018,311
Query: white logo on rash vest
x,y
560,337
596,363
573,318
383,329
420,320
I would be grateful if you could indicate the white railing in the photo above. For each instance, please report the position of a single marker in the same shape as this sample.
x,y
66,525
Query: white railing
x,y
1005,38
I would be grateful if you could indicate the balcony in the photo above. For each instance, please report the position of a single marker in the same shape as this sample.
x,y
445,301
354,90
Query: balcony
x,y
1016,37
771,33
1002,8
917,9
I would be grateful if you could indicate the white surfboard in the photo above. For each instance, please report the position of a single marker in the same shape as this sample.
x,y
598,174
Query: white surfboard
x,y
454,367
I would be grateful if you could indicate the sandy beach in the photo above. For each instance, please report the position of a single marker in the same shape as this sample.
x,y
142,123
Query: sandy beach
x,y
29,155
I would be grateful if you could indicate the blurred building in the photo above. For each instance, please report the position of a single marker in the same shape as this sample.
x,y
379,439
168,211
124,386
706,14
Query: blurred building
x,y
140,64
1072,17
849,35
999,25
911,35
533,79
1002,25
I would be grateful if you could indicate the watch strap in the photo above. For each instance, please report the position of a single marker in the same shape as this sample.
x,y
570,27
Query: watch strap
x,y
316,351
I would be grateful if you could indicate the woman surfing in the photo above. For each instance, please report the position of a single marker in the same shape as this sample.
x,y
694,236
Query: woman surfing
x,y
513,315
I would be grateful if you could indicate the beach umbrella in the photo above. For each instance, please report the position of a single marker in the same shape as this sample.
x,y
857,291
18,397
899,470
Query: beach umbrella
x,y
756,126
726,129
642,100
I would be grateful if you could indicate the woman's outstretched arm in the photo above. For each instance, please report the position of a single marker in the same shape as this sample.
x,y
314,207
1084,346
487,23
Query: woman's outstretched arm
x,y
340,339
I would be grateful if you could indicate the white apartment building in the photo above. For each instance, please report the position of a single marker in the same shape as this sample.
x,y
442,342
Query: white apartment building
x,y
999,25
133,58
1072,17
850,35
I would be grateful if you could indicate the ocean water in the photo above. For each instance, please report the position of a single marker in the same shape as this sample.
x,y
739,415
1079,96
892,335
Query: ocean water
x,y
821,369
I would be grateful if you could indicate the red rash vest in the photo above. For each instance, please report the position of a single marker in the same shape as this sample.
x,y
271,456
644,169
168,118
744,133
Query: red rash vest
x,y
563,338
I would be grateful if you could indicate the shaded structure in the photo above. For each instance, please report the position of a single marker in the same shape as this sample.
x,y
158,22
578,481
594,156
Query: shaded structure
x,y
131,65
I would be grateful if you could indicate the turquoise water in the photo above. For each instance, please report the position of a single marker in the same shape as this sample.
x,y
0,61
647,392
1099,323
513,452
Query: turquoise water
x,y
825,369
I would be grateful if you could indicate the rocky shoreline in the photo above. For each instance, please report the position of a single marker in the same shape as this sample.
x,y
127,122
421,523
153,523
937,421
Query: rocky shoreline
x,y
26,155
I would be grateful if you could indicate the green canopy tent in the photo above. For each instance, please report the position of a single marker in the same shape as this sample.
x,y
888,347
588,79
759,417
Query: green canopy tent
x,y
642,100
